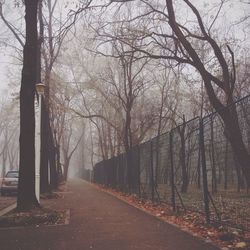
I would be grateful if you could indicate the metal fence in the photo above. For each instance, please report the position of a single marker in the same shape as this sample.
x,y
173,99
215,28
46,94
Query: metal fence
x,y
192,167
86,174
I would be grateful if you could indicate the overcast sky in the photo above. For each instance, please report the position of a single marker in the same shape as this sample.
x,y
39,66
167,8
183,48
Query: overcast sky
x,y
4,61
233,12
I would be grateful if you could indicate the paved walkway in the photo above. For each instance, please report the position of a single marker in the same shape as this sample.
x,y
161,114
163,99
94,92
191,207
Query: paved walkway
x,y
100,221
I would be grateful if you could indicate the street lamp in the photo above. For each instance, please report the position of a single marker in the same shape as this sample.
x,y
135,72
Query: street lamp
x,y
40,88
40,91
121,1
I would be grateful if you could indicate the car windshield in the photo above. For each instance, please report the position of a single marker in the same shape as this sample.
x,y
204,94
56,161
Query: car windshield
x,y
12,175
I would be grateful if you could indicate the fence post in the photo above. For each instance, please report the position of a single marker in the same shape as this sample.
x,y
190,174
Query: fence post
x,y
204,172
123,173
152,171
116,173
127,173
139,171
128,155
119,173
172,170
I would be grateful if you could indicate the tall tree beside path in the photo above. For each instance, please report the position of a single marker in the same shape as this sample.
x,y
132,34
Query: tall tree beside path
x,y
168,36
26,198
226,83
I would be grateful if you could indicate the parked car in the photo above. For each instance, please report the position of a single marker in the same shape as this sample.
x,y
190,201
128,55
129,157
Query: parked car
x,y
10,183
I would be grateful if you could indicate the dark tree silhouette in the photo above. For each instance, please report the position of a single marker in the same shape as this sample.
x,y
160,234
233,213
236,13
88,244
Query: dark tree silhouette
x,y
227,112
26,198
178,42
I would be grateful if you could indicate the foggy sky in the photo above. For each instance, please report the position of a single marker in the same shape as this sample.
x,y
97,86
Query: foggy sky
x,y
234,11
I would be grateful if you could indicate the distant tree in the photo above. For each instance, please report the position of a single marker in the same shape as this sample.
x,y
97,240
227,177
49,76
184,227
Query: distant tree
x,y
9,128
69,147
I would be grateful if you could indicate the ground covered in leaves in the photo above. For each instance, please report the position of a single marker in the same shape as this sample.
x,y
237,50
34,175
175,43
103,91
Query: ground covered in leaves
x,y
35,217
193,222
38,216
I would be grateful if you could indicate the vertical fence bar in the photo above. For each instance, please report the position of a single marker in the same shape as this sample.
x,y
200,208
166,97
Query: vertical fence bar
x,y
152,171
120,173
116,171
123,174
128,157
130,171
139,171
204,172
142,172
172,170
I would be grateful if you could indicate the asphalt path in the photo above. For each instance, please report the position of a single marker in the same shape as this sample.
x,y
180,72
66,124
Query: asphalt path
x,y
100,221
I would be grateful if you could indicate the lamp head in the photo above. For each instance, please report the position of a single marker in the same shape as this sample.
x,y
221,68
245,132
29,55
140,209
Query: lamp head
x,y
40,88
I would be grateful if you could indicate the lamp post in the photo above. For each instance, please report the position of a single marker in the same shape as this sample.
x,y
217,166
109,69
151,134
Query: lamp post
x,y
40,91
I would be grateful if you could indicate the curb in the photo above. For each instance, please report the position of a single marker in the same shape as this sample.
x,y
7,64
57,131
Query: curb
x,y
7,209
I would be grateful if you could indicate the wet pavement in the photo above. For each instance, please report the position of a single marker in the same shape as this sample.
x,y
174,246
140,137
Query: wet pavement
x,y
102,222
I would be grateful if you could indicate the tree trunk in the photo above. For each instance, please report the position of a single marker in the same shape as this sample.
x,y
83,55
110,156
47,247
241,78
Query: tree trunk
x,y
228,114
127,130
66,169
226,167
199,169
232,129
58,163
234,135
184,173
212,158
4,153
4,162
26,198
44,183
52,159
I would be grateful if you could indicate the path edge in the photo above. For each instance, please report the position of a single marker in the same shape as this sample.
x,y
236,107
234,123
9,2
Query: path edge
x,y
154,216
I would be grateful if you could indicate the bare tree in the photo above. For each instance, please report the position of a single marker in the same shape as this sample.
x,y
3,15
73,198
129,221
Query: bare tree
x,y
67,149
8,137
172,39
26,198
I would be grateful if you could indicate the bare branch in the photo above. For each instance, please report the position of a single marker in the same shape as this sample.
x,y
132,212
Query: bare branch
x,y
10,26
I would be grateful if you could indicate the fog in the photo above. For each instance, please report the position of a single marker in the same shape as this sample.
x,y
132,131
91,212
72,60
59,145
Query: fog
x,y
88,84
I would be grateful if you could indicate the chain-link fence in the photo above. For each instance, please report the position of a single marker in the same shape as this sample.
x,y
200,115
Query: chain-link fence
x,y
192,167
